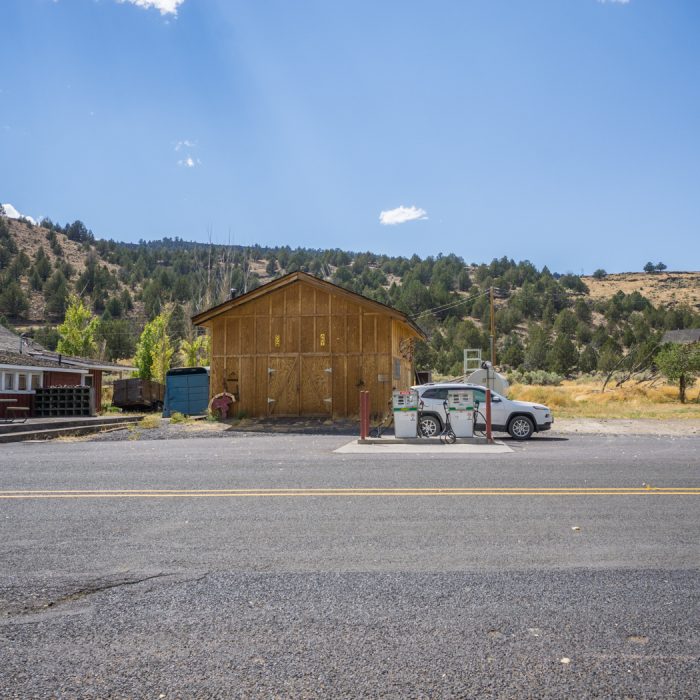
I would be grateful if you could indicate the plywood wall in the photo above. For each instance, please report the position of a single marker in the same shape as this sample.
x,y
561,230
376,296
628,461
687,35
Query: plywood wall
x,y
301,350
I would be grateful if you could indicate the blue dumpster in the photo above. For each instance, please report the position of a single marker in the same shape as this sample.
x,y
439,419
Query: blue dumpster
x,y
186,391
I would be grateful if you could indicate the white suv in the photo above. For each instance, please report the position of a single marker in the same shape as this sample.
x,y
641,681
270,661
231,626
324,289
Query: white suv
x,y
519,418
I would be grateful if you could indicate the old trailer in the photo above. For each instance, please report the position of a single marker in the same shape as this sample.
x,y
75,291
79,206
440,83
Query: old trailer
x,y
138,394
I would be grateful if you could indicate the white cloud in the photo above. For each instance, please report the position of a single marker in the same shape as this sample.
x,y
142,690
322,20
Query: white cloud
x,y
166,7
401,215
614,2
179,145
189,162
12,213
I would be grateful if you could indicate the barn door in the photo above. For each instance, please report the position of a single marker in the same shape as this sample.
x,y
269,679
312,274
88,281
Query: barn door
x,y
316,385
283,386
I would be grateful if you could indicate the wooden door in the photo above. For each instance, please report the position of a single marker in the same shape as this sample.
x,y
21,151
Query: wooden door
x,y
283,386
316,385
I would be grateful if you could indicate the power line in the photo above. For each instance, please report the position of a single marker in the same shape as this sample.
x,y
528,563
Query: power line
x,y
446,307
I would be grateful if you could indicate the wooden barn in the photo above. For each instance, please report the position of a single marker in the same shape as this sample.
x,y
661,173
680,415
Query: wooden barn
x,y
301,346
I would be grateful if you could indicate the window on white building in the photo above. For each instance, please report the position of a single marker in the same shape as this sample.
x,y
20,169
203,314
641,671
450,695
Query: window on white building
x,y
9,383
21,382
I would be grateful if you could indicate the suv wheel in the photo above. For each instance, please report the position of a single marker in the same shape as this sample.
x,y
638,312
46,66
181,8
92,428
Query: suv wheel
x,y
429,426
521,428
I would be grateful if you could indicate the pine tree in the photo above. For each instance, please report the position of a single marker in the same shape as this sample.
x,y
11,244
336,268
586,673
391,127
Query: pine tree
x,y
13,300
42,264
537,348
56,294
563,357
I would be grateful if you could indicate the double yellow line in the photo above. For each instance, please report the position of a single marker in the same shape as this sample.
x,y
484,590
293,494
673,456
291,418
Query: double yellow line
x,y
353,492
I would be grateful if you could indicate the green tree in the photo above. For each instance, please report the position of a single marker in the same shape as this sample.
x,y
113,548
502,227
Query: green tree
x,y
583,311
154,351
113,307
563,357
47,337
537,348
13,300
118,338
649,267
35,281
56,294
680,363
600,274
588,360
178,323
78,330
195,353
512,353
566,322
42,264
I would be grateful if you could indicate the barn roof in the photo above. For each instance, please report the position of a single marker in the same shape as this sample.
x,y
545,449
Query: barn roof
x,y
299,276
689,335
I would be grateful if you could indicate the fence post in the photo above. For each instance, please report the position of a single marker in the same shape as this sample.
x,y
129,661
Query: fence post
x,y
489,437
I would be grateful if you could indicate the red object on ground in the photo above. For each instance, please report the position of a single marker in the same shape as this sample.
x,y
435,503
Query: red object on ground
x,y
222,403
489,437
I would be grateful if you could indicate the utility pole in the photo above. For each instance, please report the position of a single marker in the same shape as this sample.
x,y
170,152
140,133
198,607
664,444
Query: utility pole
x,y
492,338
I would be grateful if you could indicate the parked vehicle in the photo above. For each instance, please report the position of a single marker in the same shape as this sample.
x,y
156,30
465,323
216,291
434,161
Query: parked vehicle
x,y
518,418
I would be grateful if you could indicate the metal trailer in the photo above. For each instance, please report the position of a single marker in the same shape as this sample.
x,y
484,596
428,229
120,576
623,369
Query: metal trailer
x,y
405,408
138,394
186,391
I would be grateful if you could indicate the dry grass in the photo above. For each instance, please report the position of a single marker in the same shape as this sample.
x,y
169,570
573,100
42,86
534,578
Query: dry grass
x,y
579,400
149,422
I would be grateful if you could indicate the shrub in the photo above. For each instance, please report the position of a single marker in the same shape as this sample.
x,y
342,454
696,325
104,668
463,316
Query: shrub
x,y
151,421
177,417
537,376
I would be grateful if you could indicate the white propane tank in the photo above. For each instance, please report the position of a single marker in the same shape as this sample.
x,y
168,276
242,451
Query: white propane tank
x,y
405,407
489,379
460,404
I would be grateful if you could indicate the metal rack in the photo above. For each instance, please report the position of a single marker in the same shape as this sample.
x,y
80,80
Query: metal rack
x,y
63,401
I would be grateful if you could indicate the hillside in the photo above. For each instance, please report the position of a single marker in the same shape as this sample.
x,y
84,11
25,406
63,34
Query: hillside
x,y
661,288
544,321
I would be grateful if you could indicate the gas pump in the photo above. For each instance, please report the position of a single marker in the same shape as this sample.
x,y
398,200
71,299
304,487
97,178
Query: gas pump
x,y
460,404
404,405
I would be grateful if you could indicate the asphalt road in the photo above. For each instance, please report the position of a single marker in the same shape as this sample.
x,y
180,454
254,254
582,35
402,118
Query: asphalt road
x,y
268,566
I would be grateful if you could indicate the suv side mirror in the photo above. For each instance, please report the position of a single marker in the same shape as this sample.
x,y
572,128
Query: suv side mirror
x,y
495,399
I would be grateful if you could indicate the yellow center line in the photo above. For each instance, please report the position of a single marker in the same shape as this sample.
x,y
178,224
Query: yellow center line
x,y
349,492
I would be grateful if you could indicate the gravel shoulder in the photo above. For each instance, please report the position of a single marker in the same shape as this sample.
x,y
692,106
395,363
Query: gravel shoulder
x,y
619,426
567,426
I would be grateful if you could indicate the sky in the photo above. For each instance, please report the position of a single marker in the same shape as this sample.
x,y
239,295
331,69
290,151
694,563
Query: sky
x,y
566,132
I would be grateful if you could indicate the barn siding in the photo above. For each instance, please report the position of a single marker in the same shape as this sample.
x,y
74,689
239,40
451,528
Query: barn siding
x,y
300,346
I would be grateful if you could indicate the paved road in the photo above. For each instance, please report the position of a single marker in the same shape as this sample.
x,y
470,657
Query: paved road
x,y
177,569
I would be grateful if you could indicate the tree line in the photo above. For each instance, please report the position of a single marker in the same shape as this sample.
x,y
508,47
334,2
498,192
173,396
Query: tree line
x,y
544,320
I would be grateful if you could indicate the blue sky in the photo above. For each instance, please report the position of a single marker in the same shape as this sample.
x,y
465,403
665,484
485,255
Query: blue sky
x,y
562,131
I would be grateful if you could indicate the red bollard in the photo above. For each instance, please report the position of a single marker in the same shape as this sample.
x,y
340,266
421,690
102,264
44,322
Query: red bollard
x,y
489,437
364,415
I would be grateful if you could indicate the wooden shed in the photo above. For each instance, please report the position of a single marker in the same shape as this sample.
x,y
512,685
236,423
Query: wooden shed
x,y
302,346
